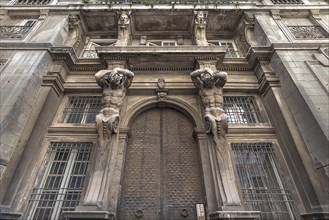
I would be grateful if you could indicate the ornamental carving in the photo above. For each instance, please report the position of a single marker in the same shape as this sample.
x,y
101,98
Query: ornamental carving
x,y
14,32
123,30
200,24
308,32
210,84
114,84
161,91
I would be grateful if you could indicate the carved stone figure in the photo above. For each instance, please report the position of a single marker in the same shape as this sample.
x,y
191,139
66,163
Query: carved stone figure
x,y
200,30
161,91
114,84
210,84
123,30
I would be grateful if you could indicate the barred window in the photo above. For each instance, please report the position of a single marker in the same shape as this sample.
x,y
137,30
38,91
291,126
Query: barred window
x,y
63,180
82,109
261,184
242,110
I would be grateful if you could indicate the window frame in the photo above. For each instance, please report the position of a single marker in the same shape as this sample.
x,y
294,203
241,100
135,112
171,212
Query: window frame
x,y
152,43
44,173
261,109
279,169
58,119
96,43
224,43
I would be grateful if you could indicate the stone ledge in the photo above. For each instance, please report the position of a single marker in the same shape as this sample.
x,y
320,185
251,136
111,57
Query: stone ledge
x,y
235,215
88,215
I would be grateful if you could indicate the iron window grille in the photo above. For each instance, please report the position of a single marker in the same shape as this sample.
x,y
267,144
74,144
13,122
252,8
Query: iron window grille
x,y
82,109
261,184
232,50
63,181
242,110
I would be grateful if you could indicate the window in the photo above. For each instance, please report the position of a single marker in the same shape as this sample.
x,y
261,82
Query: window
x,y
63,180
261,184
242,110
232,51
164,43
90,48
17,32
82,109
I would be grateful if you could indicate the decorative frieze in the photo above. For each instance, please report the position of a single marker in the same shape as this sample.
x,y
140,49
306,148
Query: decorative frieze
x,y
14,32
308,32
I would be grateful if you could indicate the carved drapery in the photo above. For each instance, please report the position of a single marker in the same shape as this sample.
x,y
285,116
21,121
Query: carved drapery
x,y
200,24
210,84
114,84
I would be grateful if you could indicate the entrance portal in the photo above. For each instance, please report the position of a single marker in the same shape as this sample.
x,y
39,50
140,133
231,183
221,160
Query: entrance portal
x,y
162,178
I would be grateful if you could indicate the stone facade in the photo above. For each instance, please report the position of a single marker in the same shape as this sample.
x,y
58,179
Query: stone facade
x,y
210,109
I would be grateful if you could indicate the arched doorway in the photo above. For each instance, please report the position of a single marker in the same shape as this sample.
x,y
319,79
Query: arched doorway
x,y
162,174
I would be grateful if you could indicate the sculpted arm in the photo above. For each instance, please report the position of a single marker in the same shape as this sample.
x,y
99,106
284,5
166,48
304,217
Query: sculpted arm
x,y
100,77
221,78
129,75
195,75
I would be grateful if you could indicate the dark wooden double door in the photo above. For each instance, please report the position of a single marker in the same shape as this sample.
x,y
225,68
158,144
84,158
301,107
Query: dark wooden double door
x,y
162,178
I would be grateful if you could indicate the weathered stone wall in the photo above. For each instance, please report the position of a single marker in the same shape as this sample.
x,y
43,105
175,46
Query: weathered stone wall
x,y
53,30
20,83
308,101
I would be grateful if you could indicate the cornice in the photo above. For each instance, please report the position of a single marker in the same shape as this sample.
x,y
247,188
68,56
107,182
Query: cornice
x,y
175,6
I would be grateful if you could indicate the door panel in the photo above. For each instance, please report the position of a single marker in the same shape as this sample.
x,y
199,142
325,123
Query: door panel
x,y
162,178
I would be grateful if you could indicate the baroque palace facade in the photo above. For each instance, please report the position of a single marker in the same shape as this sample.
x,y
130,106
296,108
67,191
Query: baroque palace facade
x,y
156,109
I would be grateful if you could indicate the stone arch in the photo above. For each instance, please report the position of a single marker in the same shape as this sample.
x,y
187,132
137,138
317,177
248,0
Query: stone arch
x,y
174,103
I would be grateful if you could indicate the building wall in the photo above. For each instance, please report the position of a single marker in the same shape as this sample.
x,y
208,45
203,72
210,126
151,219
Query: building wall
x,y
287,75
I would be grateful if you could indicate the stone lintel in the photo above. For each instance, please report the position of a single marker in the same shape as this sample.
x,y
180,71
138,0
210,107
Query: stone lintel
x,y
88,215
235,215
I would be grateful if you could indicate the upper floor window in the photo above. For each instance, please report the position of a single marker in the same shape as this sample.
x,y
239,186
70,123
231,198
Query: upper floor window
x,y
90,48
162,43
81,109
261,184
62,183
232,51
242,110
18,31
